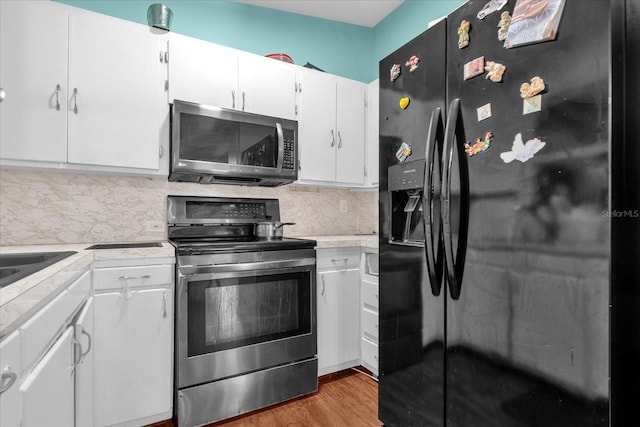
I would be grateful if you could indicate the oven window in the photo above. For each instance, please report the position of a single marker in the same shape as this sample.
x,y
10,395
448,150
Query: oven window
x,y
235,312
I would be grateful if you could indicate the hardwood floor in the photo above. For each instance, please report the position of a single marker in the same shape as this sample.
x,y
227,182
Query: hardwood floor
x,y
347,398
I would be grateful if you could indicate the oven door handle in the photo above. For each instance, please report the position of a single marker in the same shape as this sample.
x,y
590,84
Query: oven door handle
x,y
246,266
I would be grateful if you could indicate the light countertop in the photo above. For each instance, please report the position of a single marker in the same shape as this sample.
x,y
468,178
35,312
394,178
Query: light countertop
x,y
21,299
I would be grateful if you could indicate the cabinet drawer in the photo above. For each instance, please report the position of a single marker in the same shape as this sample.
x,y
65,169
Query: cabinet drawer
x,y
338,258
370,295
135,277
369,353
370,324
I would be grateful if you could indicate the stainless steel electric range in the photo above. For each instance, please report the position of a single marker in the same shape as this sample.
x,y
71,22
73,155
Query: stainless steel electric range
x,y
245,334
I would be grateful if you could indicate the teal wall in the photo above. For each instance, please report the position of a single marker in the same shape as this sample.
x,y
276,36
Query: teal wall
x,y
346,50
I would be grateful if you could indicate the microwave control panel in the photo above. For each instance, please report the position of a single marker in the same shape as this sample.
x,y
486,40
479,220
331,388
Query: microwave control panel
x,y
289,155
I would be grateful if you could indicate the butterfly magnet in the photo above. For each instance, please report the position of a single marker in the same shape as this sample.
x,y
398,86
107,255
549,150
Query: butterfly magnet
x,y
522,151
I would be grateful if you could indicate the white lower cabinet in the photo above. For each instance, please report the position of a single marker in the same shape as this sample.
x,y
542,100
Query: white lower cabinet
x,y
133,345
83,355
48,390
9,382
369,296
338,299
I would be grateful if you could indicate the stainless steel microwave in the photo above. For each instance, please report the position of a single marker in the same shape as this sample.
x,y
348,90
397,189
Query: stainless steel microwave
x,y
212,145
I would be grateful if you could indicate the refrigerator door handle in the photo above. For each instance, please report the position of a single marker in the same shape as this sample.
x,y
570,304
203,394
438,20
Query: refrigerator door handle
x,y
432,221
454,139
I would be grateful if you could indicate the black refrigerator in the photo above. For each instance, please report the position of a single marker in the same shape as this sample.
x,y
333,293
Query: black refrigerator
x,y
509,208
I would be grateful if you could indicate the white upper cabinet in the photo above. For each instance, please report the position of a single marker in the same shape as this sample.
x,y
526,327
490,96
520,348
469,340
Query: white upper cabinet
x,y
33,74
331,130
372,138
210,74
317,128
84,91
116,93
267,86
202,72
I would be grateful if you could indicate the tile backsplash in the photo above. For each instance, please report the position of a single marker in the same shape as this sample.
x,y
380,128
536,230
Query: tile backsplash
x,y
53,207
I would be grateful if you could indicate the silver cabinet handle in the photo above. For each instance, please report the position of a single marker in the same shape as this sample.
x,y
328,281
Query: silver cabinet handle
x,y
84,354
333,139
233,99
8,378
242,101
340,260
2,94
75,100
164,300
339,140
146,276
58,97
126,288
323,285
78,346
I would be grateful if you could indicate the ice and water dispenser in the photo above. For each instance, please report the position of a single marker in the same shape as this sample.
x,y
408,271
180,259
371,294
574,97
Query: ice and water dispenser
x,y
406,181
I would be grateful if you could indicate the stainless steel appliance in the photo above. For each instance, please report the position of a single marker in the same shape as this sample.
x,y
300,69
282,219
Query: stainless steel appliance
x,y
217,145
245,309
508,270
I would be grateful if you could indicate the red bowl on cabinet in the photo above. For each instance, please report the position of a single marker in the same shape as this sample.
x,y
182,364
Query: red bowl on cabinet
x,y
280,57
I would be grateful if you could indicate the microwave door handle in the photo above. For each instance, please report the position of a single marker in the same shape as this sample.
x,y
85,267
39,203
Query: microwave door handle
x,y
280,147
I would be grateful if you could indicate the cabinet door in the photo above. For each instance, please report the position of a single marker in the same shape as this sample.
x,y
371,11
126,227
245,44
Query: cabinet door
x,y
350,127
338,320
202,72
48,391
133,355
316,127
33,64
117,102
373,111
83,331
10,370
266,86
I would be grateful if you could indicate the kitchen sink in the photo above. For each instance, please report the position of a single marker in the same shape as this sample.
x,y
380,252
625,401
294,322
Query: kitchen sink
x,y
17,266
126,245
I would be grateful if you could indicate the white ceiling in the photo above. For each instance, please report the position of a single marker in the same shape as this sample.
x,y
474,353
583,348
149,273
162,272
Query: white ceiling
x,y
367,13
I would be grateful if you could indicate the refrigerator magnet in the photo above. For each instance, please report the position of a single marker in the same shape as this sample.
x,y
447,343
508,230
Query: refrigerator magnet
x,y
532,105
527,90
490,7
522,151
404,103
474,68
481,145
484,112
412,63
463,34
503,25
395,71
403,152
494,71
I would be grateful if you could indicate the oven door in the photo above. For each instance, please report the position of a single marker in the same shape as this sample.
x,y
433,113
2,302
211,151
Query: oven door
x,y
243,312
